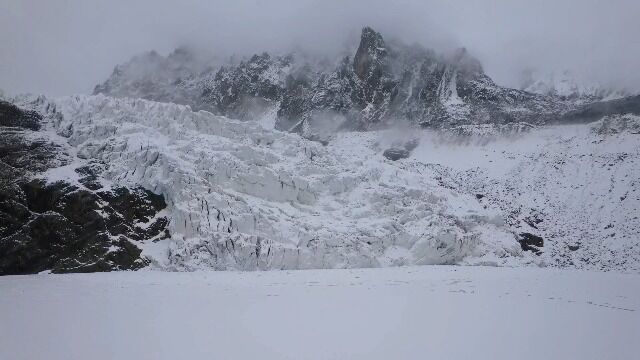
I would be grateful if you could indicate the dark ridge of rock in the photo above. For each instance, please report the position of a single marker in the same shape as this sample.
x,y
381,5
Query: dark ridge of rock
x,y
382,83
370,58
63,227
90,175
531,242
236,90
354,96
26,155
12,116
371,65
597,110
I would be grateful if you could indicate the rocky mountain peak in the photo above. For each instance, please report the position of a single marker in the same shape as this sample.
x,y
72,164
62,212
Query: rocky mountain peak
x,y
381,83
371,56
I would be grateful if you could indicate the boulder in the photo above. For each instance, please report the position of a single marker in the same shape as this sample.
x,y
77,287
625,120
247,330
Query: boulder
x,y
531,242
394,154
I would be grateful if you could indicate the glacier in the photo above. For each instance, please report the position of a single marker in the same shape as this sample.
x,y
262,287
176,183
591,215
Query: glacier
x,y
242,196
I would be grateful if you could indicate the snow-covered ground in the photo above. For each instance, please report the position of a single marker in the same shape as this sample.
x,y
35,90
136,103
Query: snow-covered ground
x,y
429,312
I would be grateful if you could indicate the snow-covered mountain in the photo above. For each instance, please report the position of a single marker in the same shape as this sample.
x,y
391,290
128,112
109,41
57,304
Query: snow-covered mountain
x,y
381,83
566,86
183,163
173,78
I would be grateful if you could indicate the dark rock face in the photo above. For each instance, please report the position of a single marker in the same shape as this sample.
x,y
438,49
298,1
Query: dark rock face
x,y
356,95
370,61
63,227
236,90
371,65
12,116
531,242
597,110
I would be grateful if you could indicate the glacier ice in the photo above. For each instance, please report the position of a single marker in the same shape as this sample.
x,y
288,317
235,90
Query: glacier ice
x,y
244,197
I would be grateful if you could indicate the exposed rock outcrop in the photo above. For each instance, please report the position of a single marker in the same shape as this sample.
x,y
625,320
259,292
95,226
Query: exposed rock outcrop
x,y
531,242
64,227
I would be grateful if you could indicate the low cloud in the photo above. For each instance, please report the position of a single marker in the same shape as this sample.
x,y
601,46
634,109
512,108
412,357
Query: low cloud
x,y
68,46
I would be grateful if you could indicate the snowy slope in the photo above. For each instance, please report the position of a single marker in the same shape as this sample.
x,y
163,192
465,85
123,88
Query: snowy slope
x,y
577,186
429,312
241,196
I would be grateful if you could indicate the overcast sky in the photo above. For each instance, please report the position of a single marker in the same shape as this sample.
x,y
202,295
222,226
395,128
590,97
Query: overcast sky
x,y
67,46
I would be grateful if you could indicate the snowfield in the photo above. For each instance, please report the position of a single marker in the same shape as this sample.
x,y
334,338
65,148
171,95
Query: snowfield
x,y
428,312
243,196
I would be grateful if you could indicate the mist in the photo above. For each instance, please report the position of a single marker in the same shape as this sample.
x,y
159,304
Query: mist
x,y
68,46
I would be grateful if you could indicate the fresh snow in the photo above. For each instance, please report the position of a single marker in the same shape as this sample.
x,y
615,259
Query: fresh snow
x,y
429,312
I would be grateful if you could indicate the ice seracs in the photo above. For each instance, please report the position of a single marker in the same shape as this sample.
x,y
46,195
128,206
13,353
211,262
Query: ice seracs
x,y
242,197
